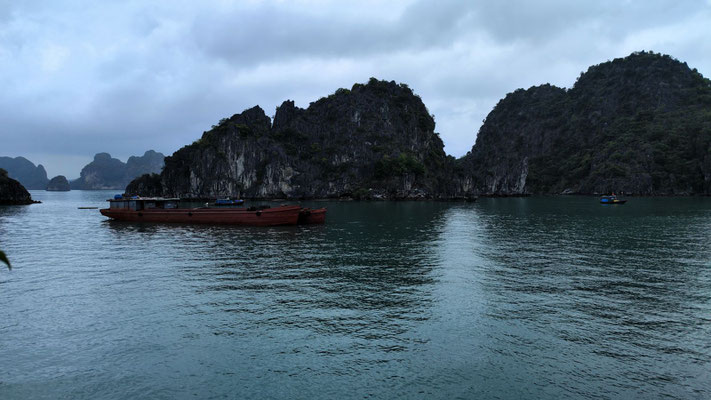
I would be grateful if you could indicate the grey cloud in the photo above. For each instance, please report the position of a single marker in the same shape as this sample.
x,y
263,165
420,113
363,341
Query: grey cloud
x,y
155,75
545,20
268,33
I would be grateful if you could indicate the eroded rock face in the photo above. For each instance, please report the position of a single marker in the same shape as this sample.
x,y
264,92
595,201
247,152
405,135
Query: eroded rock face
x,y
376,139
524,125
12,192
105,172
147,185
639,124
58,184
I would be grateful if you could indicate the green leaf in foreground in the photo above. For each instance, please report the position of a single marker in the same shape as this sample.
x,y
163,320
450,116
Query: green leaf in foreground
x,y
4,259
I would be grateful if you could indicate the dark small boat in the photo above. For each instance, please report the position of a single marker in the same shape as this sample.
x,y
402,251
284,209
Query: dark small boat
x,y
228,202
611,200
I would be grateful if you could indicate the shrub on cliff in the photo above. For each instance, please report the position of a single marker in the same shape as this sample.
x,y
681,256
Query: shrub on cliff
x,y
388,167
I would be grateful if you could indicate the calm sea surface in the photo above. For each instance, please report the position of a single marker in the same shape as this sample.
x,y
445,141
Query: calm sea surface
x,y
552,297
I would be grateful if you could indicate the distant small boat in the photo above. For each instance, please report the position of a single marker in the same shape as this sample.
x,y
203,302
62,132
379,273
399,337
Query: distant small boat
x,y
611,200
87,208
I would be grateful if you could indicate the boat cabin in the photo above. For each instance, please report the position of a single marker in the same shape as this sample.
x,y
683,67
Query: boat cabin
x,y
611,200
136,203
227,202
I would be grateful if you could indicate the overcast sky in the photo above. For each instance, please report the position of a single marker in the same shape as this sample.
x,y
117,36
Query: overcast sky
x,y
82,77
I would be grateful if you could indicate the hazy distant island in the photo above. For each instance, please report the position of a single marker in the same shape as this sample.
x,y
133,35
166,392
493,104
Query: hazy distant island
x,y
24,171
58,184
105,172
12,192
639,124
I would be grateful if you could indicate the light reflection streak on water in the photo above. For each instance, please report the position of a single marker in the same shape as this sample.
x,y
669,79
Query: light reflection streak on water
x,y
504,298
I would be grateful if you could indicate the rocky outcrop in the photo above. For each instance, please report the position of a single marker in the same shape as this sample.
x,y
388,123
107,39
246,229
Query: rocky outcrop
x,y
639,124
105,172
374,140
12,192
522,126
147,185
24,171
58,184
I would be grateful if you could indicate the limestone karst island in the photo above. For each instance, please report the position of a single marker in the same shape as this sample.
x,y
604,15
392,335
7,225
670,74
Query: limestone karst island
x,y
640,125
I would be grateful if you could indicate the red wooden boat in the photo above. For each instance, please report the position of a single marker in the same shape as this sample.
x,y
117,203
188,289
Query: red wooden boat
x,y
147,209
309,216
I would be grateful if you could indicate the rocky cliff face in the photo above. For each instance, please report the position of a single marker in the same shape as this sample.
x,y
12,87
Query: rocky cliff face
x,y
375,140
58,184
23,170
641,125
523,126
12,192
105,172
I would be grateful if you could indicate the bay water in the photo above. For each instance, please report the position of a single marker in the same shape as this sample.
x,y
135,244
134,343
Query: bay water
x,y
509,298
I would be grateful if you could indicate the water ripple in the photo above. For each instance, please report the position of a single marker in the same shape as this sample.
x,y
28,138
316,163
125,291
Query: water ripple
x,y
503,298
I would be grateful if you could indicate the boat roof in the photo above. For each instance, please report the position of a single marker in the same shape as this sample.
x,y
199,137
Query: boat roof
x,y
146,199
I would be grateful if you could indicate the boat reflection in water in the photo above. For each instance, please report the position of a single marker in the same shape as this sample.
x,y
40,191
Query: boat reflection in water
x,y
160,209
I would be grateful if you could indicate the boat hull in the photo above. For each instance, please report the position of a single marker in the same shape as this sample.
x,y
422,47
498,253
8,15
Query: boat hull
x,y
284,215
309,216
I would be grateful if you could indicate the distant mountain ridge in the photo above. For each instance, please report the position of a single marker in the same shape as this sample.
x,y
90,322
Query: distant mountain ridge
x,y
639,124
25,172
105,172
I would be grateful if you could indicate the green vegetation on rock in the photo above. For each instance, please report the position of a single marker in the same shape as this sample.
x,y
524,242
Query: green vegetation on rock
x,y
640,124
370,137
388,167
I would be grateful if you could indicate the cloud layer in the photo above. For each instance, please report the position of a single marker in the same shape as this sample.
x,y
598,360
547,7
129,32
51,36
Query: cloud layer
x,y
81,77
